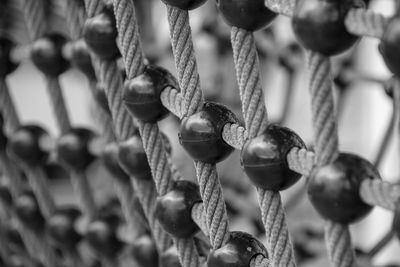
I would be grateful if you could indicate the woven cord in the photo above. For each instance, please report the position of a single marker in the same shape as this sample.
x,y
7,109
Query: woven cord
x,y
255,116
58,104
337,236
153,143
110,76
7,107
189,82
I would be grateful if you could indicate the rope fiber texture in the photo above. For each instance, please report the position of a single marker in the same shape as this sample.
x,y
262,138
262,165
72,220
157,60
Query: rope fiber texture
x,y
150,133
255,116
189,82
110,76
337,236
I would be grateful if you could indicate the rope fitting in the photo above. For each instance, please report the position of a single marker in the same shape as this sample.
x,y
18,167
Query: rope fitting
x,y
238,251
319,25
28,211
61,227
142,95
185,4
334,188
249,15
133,158
74,149
144,251
174,209
80,58
100,34
264,158
47,54
110,159
201,133
30,145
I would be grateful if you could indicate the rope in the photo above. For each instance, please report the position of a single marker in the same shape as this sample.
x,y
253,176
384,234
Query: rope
x,y
153,142
189,82
110,76
75,17
82,187
11,172
365,23
255,116
58,104
185,60
337,236
7,108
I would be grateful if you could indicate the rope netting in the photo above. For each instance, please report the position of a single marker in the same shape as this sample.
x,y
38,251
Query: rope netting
x,y
170,220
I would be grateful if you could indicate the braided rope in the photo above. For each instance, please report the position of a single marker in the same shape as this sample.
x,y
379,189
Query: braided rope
x,y
75,18
153,142
11,172
110,76
7,108
189,82
365,23
255,116
337,236
58,104
185,60
81,186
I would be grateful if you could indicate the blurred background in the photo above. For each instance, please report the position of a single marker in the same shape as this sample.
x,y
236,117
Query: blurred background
x,y
364,109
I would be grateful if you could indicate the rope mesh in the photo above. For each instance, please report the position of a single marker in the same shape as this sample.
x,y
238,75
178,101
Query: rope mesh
x,y
211,213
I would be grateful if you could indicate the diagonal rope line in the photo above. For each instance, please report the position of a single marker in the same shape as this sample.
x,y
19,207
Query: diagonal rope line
x,y
7,107
58,104
256,121
192,99
337,236
150,133
109,75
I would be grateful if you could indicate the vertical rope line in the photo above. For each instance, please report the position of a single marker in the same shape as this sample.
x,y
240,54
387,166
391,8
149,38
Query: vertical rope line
x,y
337,236
8,108
58,104
82,187
11,172
75,17
34,243
37,180
185,60
189,82
109,75
135,221
153,142
255,115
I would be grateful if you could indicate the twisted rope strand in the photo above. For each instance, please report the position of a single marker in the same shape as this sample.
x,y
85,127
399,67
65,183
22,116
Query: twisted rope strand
x,y
82,187
185,60
365,23
75,17
189,83
109,75
256,121
8,108
337,236
153,142
58,104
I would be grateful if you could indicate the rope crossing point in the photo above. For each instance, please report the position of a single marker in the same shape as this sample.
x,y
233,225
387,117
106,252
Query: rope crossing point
x,y
185,100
